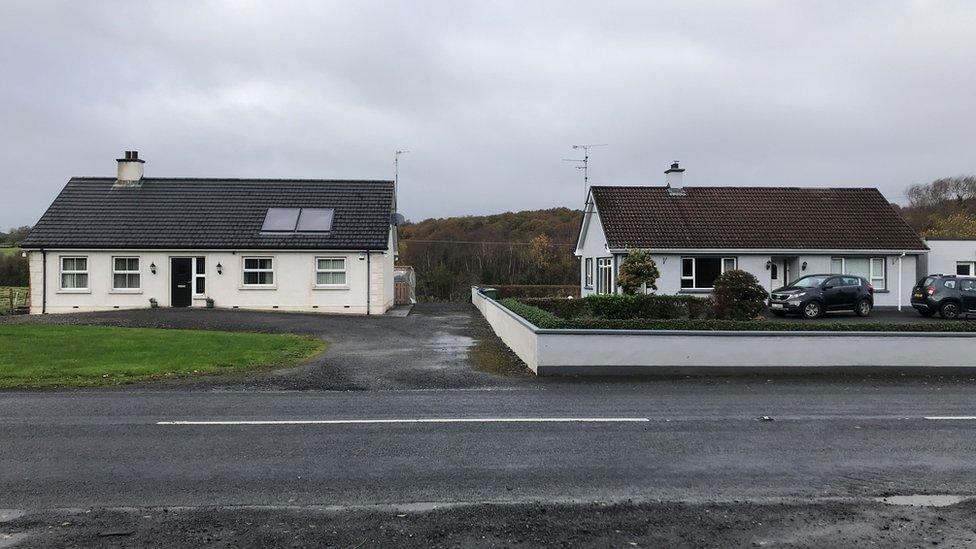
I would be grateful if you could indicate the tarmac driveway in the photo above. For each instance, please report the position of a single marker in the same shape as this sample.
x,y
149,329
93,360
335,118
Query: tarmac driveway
x,y
437,346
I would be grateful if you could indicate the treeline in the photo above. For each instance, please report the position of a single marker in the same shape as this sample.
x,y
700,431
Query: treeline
x,y
944,208
528,247
13,267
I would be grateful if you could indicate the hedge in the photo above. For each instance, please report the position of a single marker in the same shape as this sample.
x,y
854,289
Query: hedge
x,y
624,307
545,319
519,290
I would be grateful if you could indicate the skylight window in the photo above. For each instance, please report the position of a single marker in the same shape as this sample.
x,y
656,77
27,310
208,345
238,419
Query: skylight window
x,y
315,220
298,220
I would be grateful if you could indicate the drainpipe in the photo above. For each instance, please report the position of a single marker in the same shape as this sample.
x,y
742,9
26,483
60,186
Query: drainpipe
x,y
367,283
899,279
43,281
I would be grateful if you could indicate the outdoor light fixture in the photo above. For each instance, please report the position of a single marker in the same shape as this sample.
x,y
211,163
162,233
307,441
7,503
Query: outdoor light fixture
x,y
768,265
152,267
804,266
220,268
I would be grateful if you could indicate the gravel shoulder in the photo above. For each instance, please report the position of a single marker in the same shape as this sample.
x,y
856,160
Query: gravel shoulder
x,y
437,346
659,524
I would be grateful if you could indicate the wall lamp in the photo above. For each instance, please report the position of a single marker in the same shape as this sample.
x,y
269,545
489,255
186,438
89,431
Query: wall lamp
x,y
804,266
152,268
769,264
220,268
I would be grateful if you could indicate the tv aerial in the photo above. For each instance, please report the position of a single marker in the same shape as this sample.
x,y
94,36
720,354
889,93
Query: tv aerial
x,y
582,163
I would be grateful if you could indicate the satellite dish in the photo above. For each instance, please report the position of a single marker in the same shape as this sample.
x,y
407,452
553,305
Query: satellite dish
x,y
397,219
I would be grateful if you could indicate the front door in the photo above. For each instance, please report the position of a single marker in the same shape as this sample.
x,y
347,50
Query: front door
x,y
777,273
181,292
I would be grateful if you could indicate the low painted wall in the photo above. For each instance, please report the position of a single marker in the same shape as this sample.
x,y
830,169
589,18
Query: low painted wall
x,y
602,352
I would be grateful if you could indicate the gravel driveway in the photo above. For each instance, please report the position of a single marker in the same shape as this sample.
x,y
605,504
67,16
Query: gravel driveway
x,y
437,346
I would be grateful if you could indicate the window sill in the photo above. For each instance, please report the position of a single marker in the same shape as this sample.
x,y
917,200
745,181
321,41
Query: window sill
x,y
882,291
126,291
257,288
84,291
695,290
345,287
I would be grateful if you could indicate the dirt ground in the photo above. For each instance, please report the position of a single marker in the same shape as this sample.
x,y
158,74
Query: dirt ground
x,y
780,524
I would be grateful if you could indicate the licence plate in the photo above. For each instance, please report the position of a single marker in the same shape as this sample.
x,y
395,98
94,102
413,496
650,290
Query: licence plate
x,y
776,305
918,295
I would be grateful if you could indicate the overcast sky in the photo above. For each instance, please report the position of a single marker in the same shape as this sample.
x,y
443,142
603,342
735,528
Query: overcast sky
x,y
487,96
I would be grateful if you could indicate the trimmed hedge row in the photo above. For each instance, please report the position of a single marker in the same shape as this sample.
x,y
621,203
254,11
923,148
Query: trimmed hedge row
x,y
522,290
625,307
545,319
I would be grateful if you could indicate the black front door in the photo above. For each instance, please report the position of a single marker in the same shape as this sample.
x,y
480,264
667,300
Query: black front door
x,y
181,291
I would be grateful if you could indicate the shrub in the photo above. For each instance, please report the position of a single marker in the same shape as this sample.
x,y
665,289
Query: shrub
x,y
738,296
638,272
535,315
519,290
648,306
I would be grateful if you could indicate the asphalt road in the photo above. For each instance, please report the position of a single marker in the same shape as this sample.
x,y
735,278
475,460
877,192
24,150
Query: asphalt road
x,y
680,441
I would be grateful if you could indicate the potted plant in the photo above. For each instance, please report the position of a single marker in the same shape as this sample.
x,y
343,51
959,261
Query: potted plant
x,y
153,303
210,303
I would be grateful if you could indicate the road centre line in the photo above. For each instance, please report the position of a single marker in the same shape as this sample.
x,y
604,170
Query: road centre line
x,y
950,417
419,420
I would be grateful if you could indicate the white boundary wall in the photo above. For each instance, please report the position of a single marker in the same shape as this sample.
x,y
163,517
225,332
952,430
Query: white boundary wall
x,y
639,351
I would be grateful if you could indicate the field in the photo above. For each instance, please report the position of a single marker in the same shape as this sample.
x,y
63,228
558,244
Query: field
x,y
63,356
9,251
19,298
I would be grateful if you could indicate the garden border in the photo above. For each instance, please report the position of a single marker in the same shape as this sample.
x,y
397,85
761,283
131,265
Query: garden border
x,y
606,352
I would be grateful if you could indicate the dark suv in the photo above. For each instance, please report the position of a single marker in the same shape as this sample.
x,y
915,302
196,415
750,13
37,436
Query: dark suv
x,y
813,295
949,295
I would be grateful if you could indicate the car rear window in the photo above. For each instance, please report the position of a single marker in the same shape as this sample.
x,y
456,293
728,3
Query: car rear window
x,y
927,281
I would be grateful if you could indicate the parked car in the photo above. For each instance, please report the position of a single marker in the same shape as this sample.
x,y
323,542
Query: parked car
x,y
951,296
813,295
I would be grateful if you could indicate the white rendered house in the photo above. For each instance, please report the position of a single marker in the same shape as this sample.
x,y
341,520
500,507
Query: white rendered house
x,y
130,242
776,233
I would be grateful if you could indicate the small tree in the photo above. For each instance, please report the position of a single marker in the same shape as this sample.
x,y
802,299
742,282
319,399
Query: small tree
x,y
738,295
638,272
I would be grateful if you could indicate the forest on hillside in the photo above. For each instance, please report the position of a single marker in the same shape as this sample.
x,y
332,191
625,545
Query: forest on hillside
x,y
528,247
944,208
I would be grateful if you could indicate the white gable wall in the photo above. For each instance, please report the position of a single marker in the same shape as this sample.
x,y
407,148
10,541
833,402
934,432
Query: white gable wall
x,y
294,276
593,246
945,256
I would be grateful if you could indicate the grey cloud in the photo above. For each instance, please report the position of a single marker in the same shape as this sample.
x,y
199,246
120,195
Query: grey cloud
x,y
488,96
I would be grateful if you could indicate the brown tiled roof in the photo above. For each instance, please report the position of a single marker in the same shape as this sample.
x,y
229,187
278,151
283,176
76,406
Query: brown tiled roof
x,y
752,217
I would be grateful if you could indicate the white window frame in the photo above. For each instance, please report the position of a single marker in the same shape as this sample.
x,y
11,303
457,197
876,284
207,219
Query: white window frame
x,y
62,272
694,270
970,264
137,272
245,270
604,286
203,275
588,273
344,270
879,282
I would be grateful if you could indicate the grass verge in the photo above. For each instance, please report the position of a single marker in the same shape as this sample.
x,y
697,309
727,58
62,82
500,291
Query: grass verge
x,y
82,356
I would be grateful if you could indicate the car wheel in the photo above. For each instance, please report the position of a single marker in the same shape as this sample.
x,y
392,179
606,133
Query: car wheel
x,y
949,310
812,310
863,308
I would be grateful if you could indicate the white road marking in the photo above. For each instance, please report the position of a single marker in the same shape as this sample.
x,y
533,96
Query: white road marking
x,y
421,420
950,417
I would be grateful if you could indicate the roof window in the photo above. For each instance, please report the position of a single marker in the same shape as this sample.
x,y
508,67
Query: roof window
x,y
298,220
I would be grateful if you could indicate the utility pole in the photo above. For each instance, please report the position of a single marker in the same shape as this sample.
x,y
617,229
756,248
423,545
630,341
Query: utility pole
x,y
583,164
396,174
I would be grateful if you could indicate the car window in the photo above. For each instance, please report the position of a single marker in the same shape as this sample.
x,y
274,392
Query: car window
x,y
927,281
949,283
851,281
968,285
808,281
836,281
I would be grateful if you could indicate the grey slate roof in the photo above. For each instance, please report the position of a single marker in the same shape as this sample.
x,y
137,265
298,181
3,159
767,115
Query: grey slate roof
x,y
211,214
788,218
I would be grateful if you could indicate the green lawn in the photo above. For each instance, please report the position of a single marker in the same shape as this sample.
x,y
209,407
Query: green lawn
x,y
59,356
9,251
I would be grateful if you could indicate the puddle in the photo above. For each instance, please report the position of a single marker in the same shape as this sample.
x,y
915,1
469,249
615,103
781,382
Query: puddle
x,y
7,515
919,500
9,540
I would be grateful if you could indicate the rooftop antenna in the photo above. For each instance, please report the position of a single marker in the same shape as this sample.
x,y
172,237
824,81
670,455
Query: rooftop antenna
x,y
583,162
396,174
